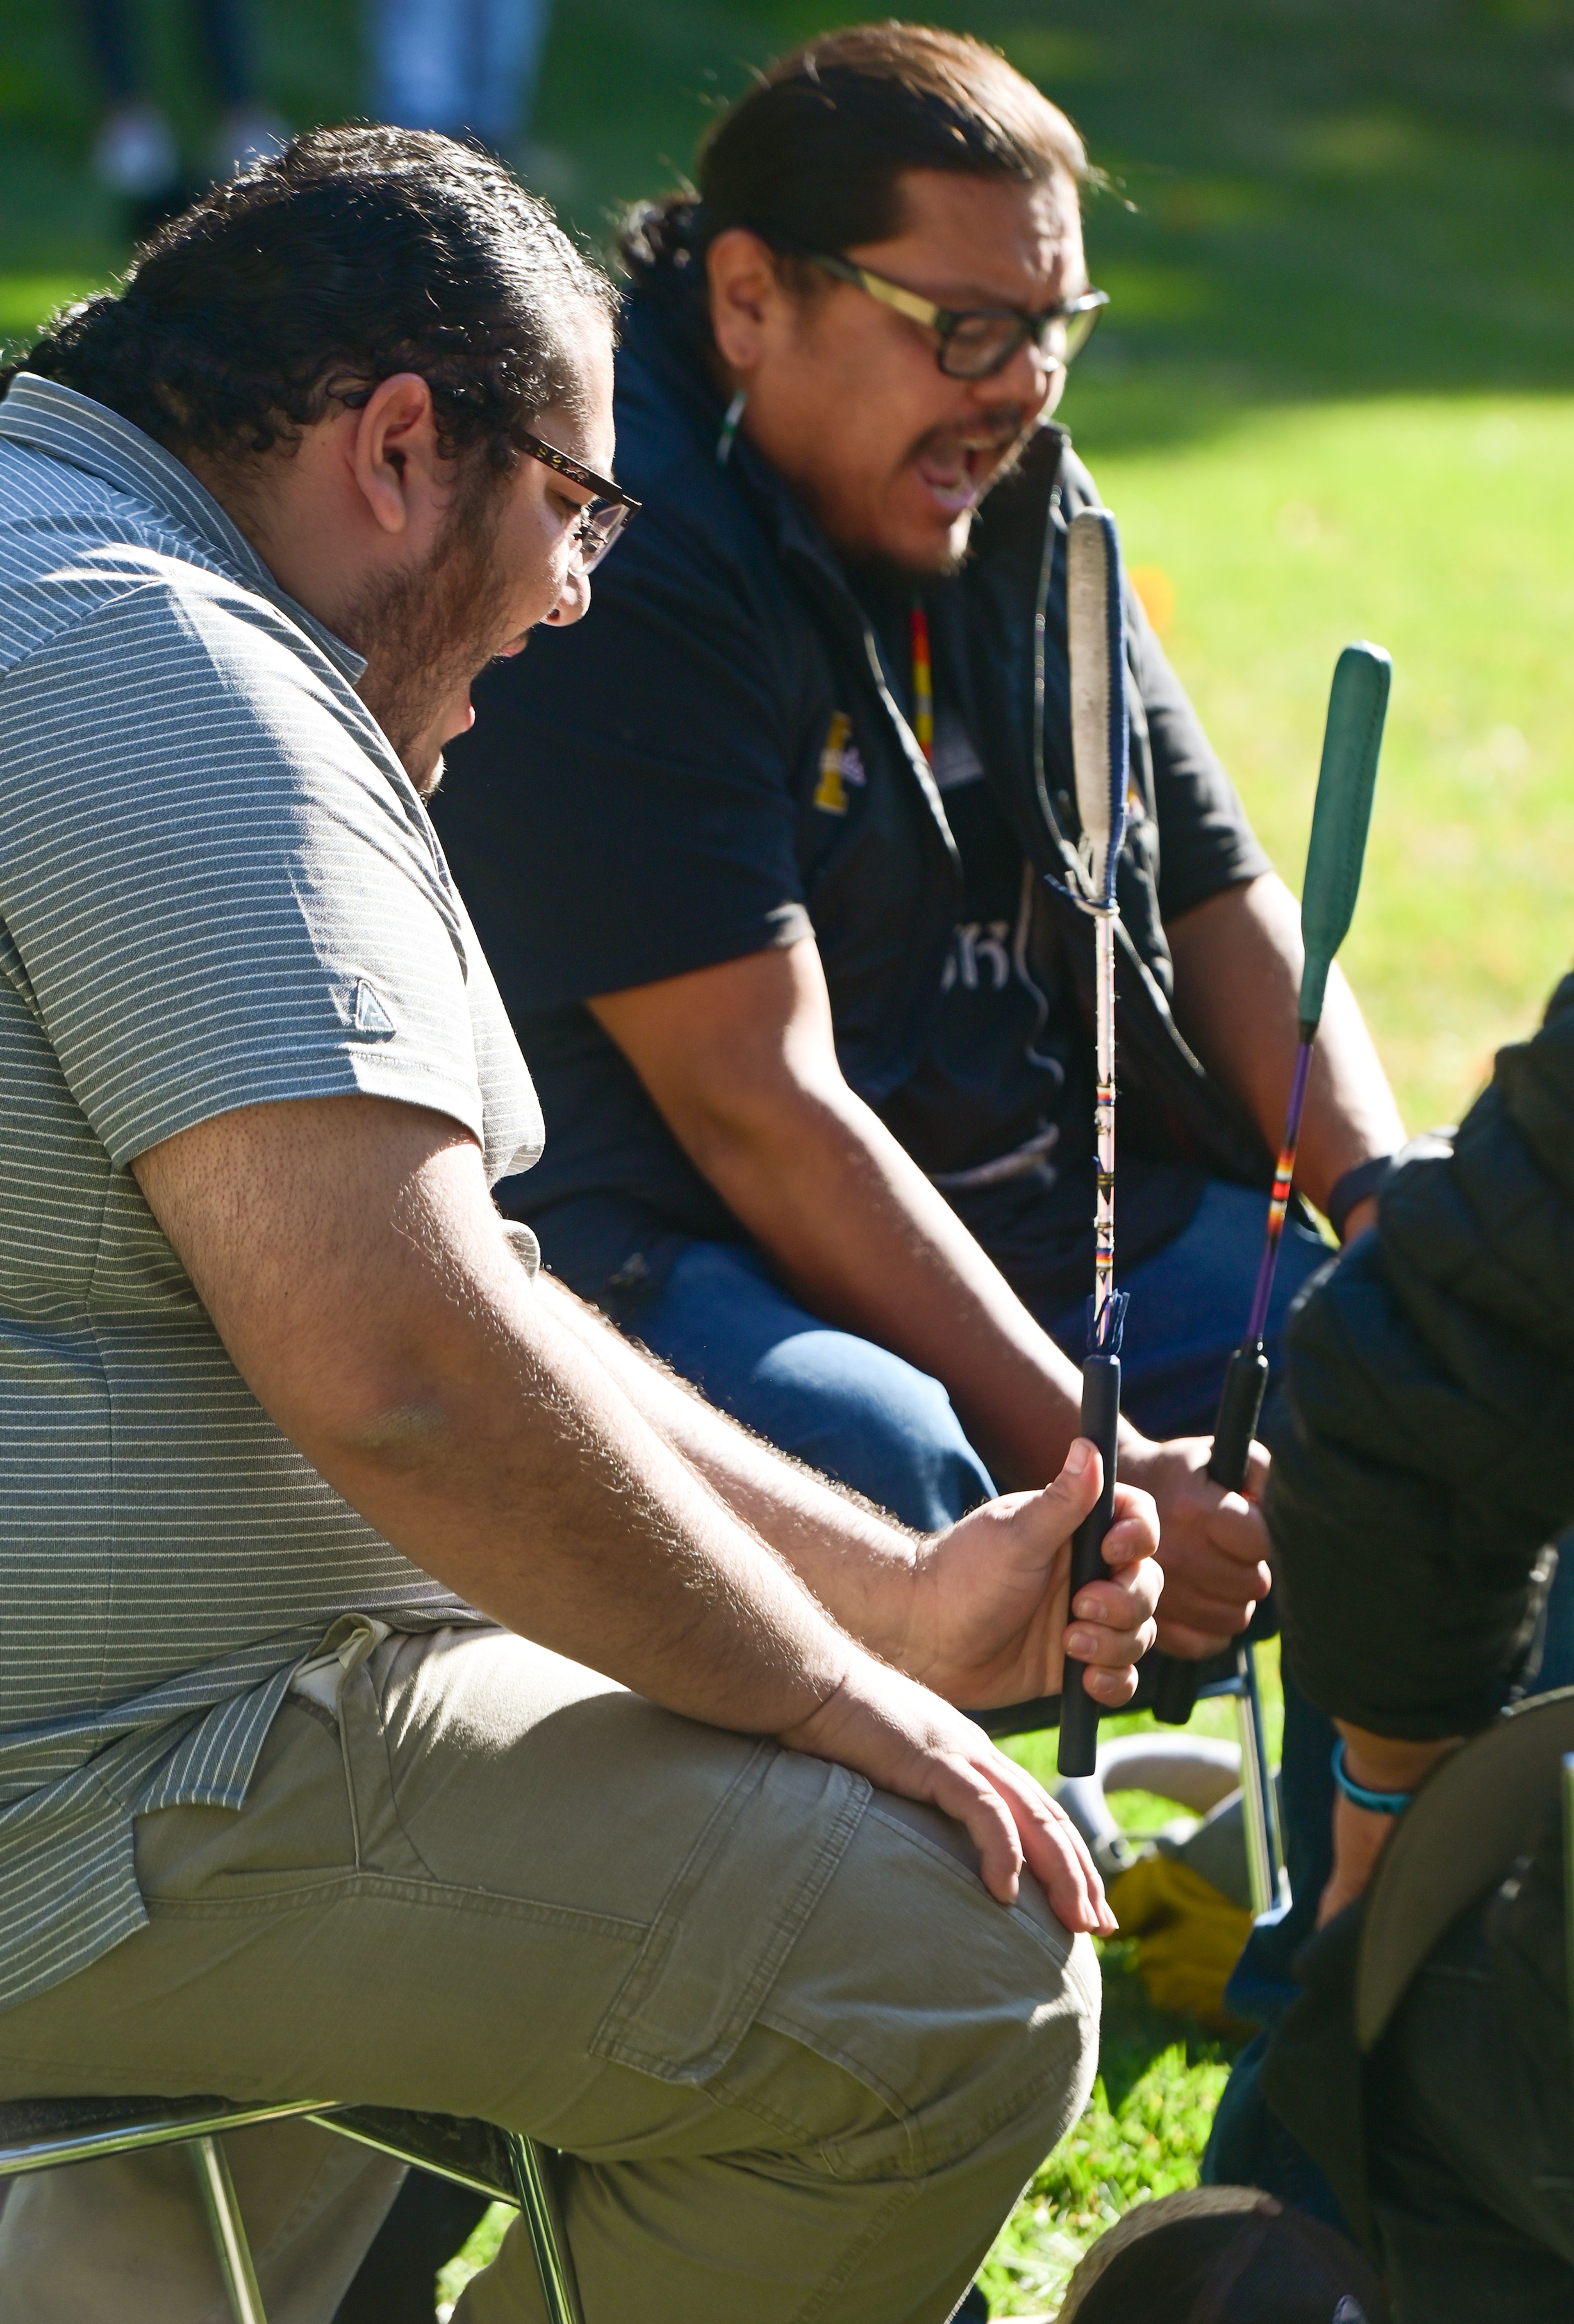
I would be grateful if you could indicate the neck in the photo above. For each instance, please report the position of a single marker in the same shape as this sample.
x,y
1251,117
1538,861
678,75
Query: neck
x,y
284,504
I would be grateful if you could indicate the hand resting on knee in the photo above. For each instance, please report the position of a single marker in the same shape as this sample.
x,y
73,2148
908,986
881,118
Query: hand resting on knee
x,y
349,1256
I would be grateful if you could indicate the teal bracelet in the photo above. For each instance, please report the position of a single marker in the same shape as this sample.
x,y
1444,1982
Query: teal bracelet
x,y
1389,1803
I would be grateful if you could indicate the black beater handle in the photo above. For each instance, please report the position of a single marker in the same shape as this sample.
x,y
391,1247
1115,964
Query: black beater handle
x,y
1078,1753
1240,1407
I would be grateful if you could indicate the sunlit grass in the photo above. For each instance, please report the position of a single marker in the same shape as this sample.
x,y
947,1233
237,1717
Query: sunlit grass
x,y
482,2248
1441,529
1119,2153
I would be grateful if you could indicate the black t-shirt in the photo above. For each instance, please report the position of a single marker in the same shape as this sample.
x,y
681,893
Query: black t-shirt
x,y
993,1078
656,790
998,1110
1006,1073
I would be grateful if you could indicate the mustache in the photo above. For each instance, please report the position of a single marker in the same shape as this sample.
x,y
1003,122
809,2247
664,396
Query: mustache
x,y
1001,426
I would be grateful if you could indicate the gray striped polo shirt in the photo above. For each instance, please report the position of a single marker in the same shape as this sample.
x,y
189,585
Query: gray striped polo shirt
x,y
218,887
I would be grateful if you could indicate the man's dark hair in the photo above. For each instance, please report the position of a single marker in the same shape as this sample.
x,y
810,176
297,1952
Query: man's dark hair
x,y
810,158
353,254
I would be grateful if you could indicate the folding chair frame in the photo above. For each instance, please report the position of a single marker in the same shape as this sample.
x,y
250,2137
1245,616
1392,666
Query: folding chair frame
x,y
504,2165
1259,1802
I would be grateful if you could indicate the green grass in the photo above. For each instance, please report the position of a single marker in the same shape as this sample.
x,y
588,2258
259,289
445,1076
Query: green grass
x,y
1332,399
481,2249
1127,2149
1037,1752
1303,527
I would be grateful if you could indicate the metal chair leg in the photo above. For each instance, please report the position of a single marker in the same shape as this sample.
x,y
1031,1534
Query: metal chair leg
x,y
535,2178
228,2231
1265,1853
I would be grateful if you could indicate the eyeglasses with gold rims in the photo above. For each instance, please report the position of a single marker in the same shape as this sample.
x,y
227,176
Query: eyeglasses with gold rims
x,y
977,342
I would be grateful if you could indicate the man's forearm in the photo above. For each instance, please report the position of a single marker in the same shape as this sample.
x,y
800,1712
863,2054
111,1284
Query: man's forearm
x,y
1380,1764
741,1061
869,1244
348,1255
857,1560
405,1352
832,1191
542,1495
1386,1763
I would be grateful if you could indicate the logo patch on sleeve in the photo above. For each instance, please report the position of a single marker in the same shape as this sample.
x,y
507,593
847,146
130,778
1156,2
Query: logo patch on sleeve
x,y
840,765
370,1017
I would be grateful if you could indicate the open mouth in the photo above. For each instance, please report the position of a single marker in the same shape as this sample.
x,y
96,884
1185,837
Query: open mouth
x,y
958,466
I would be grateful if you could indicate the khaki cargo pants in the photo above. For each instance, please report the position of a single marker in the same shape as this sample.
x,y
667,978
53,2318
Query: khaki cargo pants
x,y
800,2063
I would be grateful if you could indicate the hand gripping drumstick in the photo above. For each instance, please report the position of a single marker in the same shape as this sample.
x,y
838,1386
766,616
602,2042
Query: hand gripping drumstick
x,y
1100,745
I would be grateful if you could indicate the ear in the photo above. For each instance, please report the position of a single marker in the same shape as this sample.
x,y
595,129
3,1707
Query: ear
x,y
395,451
745,292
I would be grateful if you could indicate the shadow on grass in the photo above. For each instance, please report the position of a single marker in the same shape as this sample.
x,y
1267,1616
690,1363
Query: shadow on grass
x,y
1135,2031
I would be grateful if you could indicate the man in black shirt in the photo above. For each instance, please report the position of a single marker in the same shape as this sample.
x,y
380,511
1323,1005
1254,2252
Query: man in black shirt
x,y
770,855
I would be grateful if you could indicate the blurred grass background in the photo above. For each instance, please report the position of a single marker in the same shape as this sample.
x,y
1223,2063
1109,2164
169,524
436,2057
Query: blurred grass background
x,y
1332,399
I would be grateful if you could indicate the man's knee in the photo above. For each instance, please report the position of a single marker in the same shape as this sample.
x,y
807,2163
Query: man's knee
x,y
973,2022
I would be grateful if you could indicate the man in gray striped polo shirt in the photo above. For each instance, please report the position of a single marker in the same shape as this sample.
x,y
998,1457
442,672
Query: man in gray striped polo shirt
x,y
395,1671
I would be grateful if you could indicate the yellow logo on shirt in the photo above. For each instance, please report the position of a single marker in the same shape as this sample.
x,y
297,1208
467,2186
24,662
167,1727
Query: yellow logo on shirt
x,y
840,765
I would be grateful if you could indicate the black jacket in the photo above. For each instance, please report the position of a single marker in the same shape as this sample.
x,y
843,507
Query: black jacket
x,y
1424,1452
562,767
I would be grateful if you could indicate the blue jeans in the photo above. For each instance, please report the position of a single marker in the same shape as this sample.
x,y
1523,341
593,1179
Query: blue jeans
x,y
879,1423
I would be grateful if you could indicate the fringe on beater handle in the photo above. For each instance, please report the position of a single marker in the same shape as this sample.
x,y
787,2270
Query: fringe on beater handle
x,y
1106,1324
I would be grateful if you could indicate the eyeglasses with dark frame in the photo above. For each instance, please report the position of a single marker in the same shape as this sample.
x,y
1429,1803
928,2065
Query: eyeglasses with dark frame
x,y
596,525
977,342
603,518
